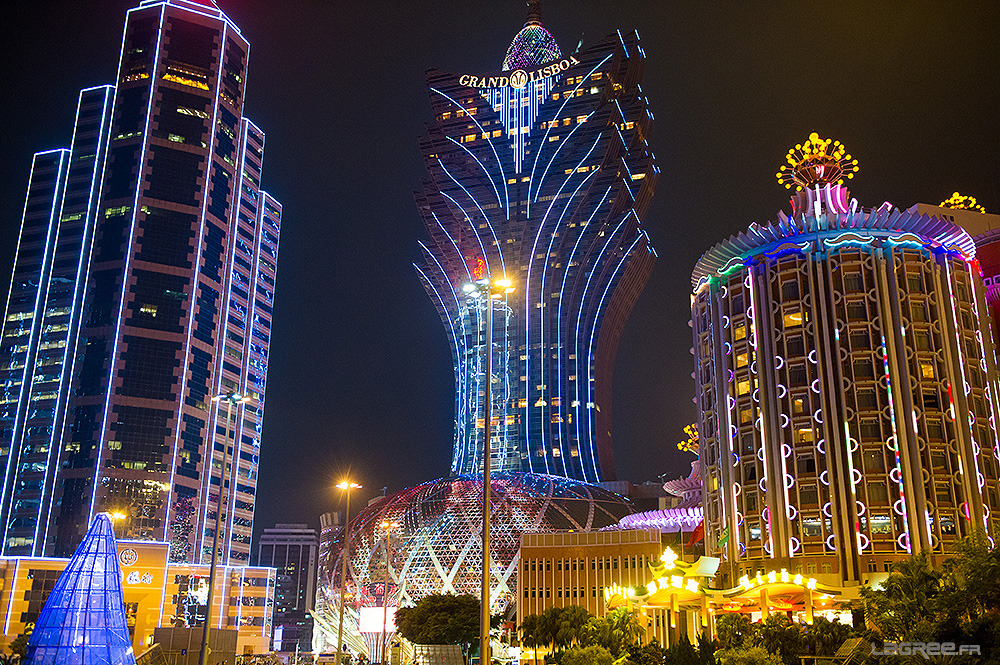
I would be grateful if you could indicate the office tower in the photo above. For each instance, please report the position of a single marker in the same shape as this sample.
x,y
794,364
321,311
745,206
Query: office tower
x,y
142,288
292,550
846,383
541,173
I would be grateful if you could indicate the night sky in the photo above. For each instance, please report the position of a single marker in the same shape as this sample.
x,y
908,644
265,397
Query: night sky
x,y
360,376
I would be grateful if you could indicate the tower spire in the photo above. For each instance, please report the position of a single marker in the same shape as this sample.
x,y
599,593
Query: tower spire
x,y
534,13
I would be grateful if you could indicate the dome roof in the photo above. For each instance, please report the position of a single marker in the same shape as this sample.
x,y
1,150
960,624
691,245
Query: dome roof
x,y
436,547
532,46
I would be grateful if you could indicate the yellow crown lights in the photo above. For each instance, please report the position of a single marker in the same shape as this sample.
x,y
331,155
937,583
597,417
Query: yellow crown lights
x,y
959,202
817,161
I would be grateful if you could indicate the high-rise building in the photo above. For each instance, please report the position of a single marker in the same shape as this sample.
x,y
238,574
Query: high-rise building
x,y
142,287
541,173
292,550
846,382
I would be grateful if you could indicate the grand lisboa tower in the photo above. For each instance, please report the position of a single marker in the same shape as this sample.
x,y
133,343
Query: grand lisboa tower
x,y
539,174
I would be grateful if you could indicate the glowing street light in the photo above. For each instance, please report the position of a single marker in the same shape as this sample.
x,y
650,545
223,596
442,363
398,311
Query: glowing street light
x,y
493,290
347,486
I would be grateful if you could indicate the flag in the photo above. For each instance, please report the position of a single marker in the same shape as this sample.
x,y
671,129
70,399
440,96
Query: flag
x,y
724,538
698,534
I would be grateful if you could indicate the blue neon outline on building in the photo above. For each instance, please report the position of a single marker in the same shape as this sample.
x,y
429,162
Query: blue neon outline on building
x,y
586,121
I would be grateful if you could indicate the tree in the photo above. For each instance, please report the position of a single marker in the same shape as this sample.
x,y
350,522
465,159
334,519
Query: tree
x,y
706,649
548,626
530,634
616,632
958,603
569,626
970,581
747,656
905,606
592,655
440,619
19,645
782,636
825,637
733,630
681,653
647,654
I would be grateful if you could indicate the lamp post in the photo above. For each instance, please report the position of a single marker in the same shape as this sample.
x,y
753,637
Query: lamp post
x,y
347,486
491,289
230,399
388,526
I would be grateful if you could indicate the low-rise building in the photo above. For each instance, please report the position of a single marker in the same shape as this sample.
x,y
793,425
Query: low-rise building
x,y
574,568
156,593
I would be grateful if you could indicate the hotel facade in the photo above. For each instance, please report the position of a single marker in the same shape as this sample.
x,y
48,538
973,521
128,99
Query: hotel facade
x,y
142,287
846,382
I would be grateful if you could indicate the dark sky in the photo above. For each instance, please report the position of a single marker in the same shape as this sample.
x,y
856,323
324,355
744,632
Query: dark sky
x,y
360,375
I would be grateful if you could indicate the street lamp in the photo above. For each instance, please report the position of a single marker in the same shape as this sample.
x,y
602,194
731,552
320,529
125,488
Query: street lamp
x,y
347,486
230,399
388,526
491,289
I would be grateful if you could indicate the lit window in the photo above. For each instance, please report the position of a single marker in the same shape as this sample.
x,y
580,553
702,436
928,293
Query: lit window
x,y
739,332
581,118
793,319
148,309
446,115
741,359
594,90
927,370
553,138
743,387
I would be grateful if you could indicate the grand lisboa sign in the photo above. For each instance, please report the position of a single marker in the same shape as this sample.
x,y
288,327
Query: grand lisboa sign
x,y
518,78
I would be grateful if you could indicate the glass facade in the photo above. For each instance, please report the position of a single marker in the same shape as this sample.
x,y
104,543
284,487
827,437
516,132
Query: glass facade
x,y
847,382
83,621
437,547
143,286
541,174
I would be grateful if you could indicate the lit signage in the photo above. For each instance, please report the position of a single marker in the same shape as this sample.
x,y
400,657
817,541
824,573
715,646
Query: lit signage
x,y
518,78
128,557
370,619
135,578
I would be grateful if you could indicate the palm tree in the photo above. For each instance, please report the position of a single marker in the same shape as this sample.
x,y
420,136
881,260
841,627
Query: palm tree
x,y
548,624
571,624
530,634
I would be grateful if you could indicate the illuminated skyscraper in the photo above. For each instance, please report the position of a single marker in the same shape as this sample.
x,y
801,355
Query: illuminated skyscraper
x,y
539,172
142,286
846,382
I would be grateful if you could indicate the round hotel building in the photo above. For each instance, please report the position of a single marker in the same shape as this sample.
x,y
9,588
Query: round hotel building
x,y
846,382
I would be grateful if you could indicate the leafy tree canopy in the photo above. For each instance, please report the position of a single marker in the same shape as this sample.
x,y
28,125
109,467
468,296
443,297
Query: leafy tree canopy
x,y
440,619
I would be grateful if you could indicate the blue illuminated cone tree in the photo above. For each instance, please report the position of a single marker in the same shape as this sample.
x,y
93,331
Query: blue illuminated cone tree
x,y
83,621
